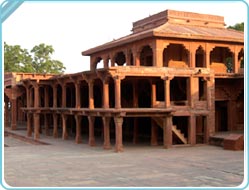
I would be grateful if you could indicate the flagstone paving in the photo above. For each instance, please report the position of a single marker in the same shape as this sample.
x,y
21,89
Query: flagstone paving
x,y
63,163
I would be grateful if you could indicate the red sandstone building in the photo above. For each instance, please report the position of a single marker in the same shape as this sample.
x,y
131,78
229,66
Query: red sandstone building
x,y
177,79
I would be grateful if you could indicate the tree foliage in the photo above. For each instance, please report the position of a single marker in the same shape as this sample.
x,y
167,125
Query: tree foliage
x,y
238,26
38,60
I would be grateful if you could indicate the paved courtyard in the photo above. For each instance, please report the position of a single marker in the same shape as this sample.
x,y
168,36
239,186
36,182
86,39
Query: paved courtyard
x,y
66,164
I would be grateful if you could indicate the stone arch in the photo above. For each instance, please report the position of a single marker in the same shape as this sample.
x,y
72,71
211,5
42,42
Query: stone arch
x,y
221,60
200,57
98,63
146,56
175,55
120,59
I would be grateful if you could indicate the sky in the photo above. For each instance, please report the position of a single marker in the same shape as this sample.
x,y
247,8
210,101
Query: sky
x,y
72,27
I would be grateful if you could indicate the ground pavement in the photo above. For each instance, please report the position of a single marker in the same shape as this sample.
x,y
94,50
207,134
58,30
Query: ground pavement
x,y
63,163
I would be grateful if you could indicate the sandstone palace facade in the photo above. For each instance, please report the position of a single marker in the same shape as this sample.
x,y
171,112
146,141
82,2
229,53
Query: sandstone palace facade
x,y
177,79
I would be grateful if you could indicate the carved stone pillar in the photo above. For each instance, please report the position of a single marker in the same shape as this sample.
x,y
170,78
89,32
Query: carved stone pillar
x,y
106,124
91,95
64,127
167,90
158,57
36,117
153,94
154,133
118,133
13,113
55,125
167,132
192,130
91,140
78,138
105,93
77,94
193,91
29,124
117,82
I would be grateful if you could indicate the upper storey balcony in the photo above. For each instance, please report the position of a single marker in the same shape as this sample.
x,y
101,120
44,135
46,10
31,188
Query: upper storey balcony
x,y
175,39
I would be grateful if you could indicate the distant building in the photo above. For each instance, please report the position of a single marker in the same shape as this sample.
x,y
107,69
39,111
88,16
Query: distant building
x,y
177,79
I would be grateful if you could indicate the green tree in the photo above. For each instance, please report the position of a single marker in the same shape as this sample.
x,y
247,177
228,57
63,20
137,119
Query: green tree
x,y
238,26
42,61
16,59
38,60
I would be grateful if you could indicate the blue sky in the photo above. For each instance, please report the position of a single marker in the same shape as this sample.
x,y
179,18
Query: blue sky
x,y
74,27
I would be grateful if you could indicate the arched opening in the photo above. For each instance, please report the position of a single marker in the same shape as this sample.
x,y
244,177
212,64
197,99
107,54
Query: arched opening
x,y
99,63
199,57
221,59
240,111
176,56
120,59
146,56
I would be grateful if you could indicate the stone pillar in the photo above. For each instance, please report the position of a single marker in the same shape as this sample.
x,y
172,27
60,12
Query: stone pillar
x,y
91,95
167,91
153,94
207,56
236,64
13,113
167,132
106,125
193,91
158,57
91,140
55,124
36,96
118,133
46,123
28,96
192,130
136,57
135,131
106,60
154,133
6,113
78,138
117,82
36,126
77,94
105,93
29,127
64,127
128,58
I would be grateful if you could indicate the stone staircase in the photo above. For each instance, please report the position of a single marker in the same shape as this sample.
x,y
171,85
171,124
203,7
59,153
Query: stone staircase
x,y
176,131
